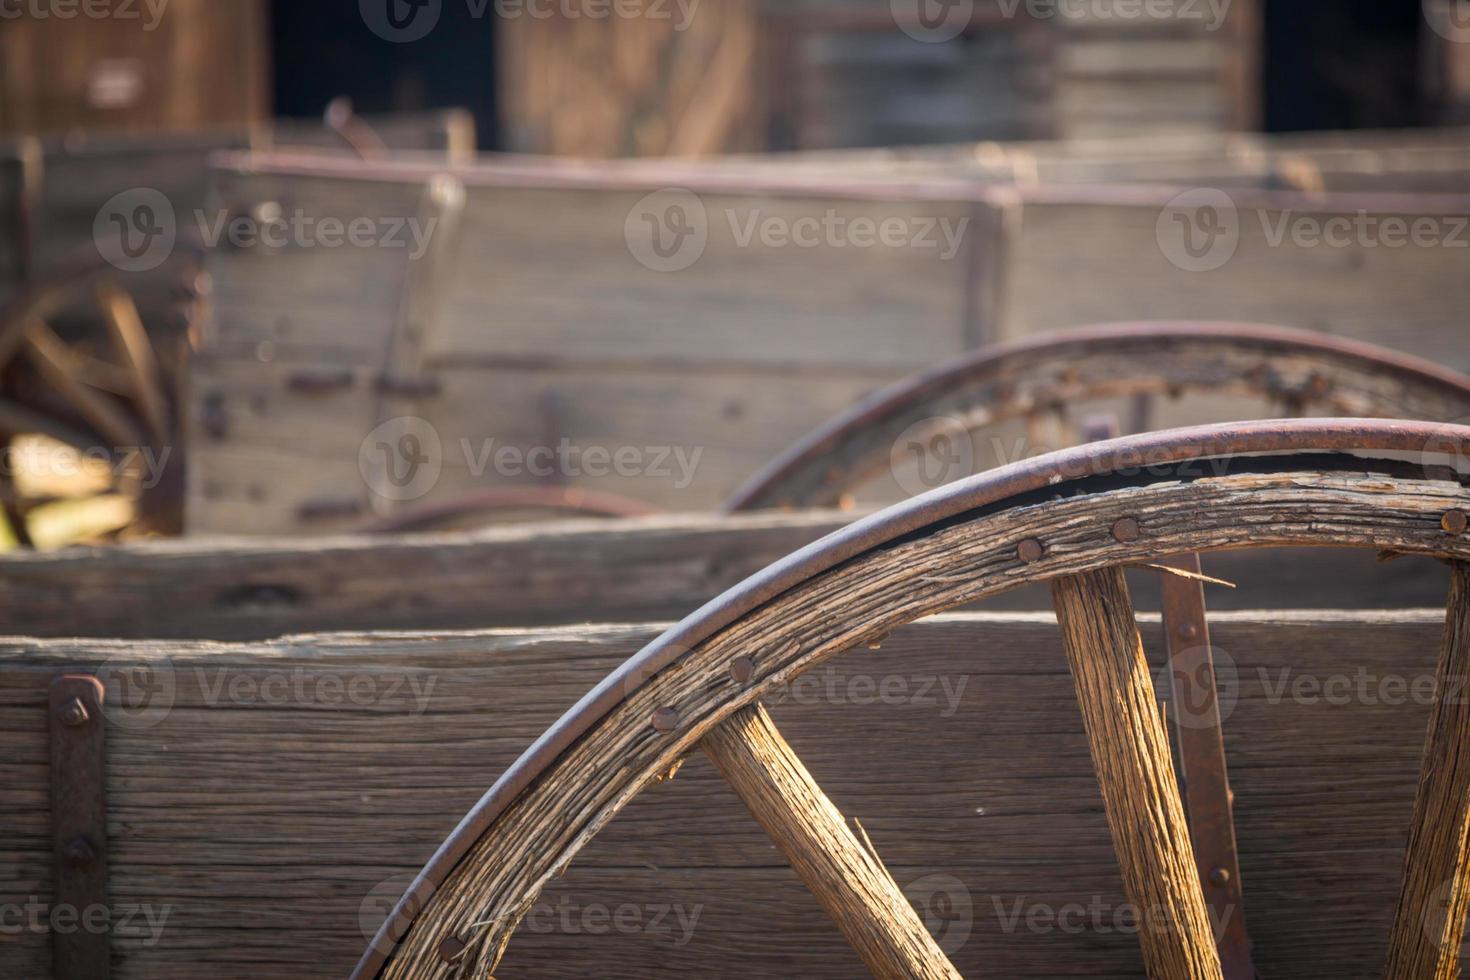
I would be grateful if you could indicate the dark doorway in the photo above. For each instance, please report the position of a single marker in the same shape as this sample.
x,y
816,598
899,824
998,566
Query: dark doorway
x,y
323,50
1342,64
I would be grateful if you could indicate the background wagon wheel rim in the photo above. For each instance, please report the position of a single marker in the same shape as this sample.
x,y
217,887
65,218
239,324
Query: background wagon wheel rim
x,y
1151,359
1352,483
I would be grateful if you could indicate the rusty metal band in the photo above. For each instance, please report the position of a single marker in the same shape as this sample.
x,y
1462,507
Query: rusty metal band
x,y
79,824
1200,737
1446,447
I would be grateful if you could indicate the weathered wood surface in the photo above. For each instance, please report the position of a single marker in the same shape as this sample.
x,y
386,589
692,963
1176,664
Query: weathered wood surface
x,y
1432,160
1434,895
183,65
276,827
669,80
550,326
1353,284
844,874
587,571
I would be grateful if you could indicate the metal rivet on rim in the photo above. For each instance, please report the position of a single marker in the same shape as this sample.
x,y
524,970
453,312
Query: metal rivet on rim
x,y
665,719
74,713
1219,876
1030,551
452,948
1189,631
79,852
1127,530
742,669
1454,522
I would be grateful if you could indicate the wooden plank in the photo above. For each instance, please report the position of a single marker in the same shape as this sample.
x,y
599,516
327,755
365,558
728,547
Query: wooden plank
x,y
256,588
1140,791
261,827
636,569
1434,895
1408,298
844,874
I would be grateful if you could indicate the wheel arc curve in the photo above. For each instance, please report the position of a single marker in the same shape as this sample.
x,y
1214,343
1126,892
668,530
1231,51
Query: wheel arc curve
x,y
1369,438
952,375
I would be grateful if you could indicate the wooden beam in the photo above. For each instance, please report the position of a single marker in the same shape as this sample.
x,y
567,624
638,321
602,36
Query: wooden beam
x,y
847,878
1434,893
1130,752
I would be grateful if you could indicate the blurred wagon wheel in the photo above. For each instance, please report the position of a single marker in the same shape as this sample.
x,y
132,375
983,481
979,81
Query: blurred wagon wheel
x,y
88,402
1037,382
1389,486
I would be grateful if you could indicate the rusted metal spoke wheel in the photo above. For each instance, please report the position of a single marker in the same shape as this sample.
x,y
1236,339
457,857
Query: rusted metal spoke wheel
x,y
96,379
1390,486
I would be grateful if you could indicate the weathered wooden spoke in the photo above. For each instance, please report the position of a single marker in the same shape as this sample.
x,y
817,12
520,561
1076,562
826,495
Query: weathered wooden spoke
x,y
1434,894
847,878
1385,486
1130,752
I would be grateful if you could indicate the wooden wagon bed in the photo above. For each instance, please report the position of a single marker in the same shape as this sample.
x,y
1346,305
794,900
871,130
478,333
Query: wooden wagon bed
x,y
267,820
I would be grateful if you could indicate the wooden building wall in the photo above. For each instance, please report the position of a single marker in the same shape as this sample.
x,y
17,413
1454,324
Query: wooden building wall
x,y
180,65
740,75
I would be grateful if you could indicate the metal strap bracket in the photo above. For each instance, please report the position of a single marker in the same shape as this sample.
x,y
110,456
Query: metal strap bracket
x,y
79,826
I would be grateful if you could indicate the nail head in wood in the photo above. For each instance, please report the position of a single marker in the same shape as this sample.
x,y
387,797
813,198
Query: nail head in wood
x,y
742,670
1126,530
79,852
1454,522
452,948
1030,551
665,720
1220,876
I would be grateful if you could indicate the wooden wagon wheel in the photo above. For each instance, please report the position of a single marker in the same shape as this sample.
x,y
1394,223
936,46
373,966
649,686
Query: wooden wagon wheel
x,y
1039,379
78,365
1391,486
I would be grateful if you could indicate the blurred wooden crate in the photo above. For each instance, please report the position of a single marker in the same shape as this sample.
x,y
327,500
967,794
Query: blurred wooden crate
x,y
541,314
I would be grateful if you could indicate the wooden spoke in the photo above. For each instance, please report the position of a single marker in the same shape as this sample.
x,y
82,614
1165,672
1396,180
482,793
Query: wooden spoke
x,y
52,359
1131,754
1434,894
847,878
120,314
